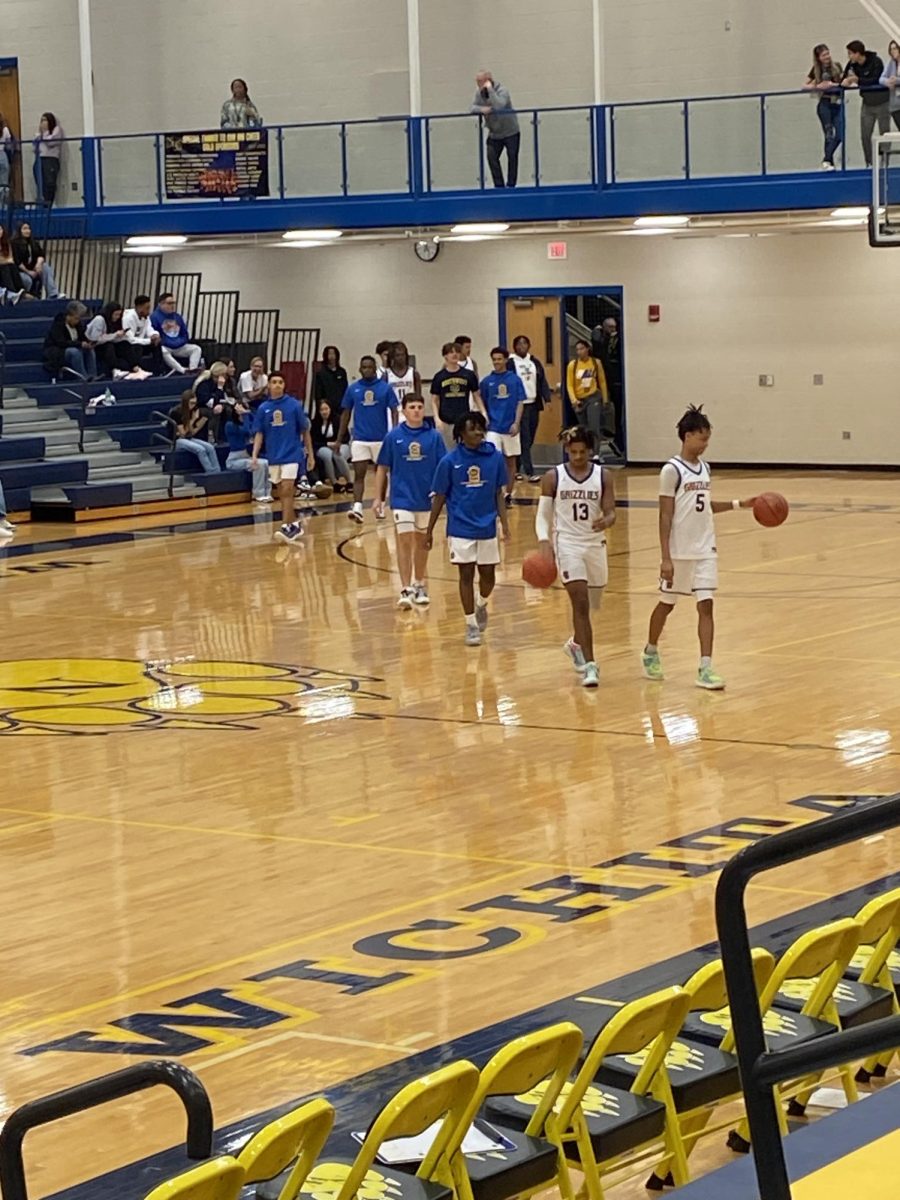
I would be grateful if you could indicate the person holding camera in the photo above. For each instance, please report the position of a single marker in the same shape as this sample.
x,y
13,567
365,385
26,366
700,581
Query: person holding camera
x,y
492,103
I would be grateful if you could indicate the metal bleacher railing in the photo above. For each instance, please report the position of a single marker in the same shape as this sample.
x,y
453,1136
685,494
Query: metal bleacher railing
x,y
743,136
84,1096
762,1069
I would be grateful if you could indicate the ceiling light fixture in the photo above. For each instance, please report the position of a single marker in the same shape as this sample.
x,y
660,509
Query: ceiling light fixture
x,y
312,235
480,227
661,222
470,237
166,240
147,248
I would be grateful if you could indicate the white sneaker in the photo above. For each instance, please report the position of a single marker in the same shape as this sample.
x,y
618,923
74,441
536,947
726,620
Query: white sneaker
x,y
473,636
7,527
421,596
827,166
355,514
406,598
591,677
575,654
118,373
262,499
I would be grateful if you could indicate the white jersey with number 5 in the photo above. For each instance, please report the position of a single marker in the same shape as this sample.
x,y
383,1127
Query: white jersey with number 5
x,y
578,505
693,530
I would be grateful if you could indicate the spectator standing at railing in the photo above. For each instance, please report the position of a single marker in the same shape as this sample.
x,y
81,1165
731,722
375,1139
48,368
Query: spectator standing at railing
x,y
891,80
239,112
864,71
7,153
47,150
493,103
825,78
174,340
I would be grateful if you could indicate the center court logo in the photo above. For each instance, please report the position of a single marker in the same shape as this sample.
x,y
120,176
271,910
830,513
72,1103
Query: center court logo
x,y
108,695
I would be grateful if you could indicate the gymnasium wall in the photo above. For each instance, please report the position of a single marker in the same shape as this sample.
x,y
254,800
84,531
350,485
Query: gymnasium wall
x,y
733,308
159,68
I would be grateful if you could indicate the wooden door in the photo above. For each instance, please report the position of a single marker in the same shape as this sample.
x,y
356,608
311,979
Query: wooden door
x,y
9,107
537,317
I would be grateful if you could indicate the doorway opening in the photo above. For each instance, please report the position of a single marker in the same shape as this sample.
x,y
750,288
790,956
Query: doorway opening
x,y
10,168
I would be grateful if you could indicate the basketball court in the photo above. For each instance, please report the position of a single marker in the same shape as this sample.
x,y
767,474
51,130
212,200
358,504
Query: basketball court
x,y
259,821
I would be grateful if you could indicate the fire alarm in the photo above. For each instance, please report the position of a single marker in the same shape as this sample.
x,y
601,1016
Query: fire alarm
x,y
653,314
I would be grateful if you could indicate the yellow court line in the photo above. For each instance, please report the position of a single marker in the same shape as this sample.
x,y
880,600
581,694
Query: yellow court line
x,y
4,829
251,835
812,554
791,891
261,952
828,633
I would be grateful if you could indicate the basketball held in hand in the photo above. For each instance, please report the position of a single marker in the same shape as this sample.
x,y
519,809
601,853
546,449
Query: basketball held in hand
x,y
770,509
537,570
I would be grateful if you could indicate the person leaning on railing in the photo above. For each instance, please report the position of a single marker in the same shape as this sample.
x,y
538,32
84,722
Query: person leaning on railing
x,y
239,111
825,78
891,80
493,103
589,393
864,71
47,150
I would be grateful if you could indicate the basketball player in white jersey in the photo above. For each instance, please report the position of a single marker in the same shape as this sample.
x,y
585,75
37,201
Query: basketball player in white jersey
x,y
466,361
576,507
687,543
402,376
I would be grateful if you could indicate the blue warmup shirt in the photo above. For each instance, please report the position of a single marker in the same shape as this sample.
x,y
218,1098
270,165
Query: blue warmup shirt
x,y
170,327
238,435
502,394
412,457
369,401
282,424
470,480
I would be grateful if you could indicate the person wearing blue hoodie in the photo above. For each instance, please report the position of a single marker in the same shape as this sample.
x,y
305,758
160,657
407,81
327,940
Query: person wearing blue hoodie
x,y
471,481
503,396
174,338
239,436
411,453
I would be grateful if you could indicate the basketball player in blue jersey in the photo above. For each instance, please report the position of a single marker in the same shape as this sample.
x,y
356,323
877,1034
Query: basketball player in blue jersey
x,y
576,507
410,455
503,396
687,543
471,481
281,425
371,403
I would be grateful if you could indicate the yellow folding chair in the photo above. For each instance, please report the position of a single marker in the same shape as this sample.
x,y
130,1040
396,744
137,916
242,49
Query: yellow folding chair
x,y
217,1179
441,1099
526,1163
876,963
598,1129
281,1154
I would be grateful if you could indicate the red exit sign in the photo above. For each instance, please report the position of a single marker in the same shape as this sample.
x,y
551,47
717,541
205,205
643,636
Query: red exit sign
x,y
557,250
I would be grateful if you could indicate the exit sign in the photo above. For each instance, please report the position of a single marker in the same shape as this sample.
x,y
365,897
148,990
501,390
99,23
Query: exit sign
x,y
557,250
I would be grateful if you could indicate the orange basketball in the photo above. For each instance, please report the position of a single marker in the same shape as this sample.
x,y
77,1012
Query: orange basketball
x,y
538,571
770,509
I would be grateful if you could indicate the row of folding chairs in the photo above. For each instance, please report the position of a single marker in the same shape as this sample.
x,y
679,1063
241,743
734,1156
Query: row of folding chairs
x,y
643,1087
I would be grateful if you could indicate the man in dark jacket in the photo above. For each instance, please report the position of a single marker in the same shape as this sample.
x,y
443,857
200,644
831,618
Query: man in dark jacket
x,y
864,70
66,348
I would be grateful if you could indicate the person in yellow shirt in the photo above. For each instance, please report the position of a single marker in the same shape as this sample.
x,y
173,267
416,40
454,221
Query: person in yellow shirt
x,y
589,393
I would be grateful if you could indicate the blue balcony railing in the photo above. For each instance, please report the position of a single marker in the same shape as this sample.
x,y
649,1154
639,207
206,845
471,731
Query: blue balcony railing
x,y
600,153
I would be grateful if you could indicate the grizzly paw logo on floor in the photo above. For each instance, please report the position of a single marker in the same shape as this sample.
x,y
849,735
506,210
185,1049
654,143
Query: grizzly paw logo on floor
x,y
106,695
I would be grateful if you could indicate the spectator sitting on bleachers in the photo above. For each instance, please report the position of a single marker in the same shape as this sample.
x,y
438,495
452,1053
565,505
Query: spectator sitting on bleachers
x,y
66,347
252,384
333,464
174,337
11,290
141,334
7,529
239,436
190,422
231,387
34,270
117,358
212,395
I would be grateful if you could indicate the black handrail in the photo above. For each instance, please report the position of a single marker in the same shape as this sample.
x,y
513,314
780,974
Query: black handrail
x,y
82,1096
762,1069
170,442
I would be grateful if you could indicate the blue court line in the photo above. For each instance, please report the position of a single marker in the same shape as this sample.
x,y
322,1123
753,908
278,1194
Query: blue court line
x,y
357,1100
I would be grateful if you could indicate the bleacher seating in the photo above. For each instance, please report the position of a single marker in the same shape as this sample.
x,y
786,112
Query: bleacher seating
x,y
56,463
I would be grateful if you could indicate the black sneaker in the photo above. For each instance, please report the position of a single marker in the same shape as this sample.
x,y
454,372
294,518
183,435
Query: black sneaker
x,y
289,533
509,500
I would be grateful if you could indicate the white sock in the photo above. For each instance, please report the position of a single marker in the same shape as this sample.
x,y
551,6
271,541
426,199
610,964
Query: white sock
x,y
705,662
471,623
648,649
357,506
480,601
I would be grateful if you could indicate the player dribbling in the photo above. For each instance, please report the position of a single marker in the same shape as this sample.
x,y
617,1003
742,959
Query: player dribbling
x,y
576,507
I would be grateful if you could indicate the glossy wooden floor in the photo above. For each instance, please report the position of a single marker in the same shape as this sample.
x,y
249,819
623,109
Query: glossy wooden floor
x,y
172,824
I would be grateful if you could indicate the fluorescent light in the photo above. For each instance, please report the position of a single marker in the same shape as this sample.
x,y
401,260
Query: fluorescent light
x,y
306,244
845,222
312,235
158,239
480,227
147,248
470,237
642,232
858,210
661,222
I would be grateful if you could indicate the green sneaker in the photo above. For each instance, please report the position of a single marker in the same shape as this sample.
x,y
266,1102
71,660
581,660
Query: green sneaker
x,y
707,678
652,666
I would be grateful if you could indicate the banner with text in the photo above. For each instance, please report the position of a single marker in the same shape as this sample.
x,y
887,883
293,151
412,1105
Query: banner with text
x,y
224,162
